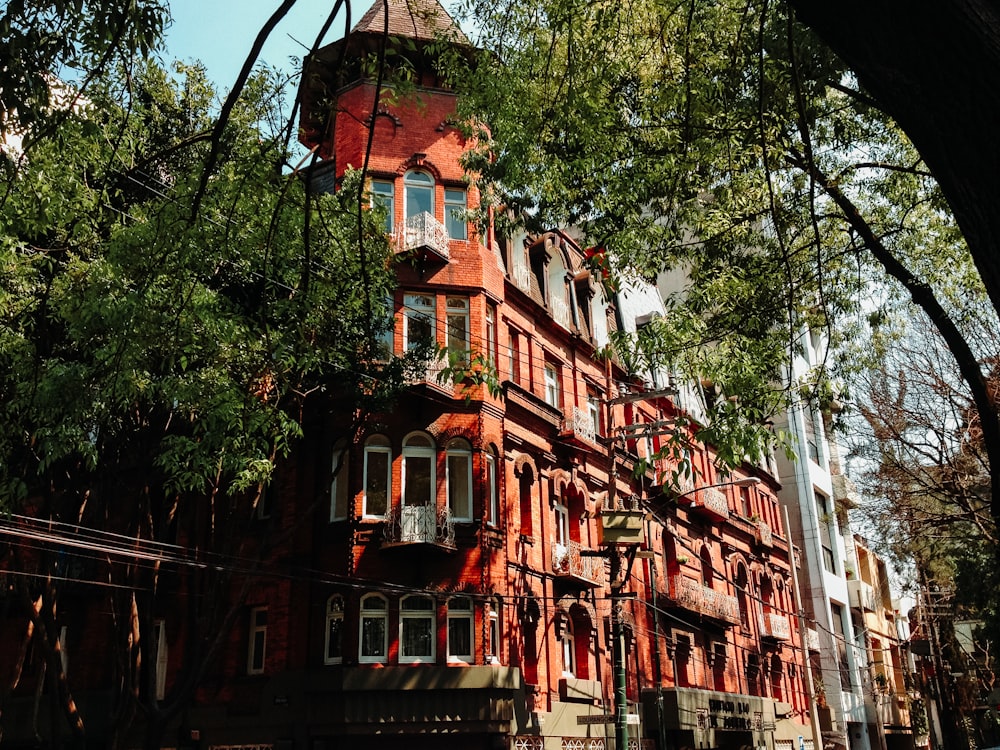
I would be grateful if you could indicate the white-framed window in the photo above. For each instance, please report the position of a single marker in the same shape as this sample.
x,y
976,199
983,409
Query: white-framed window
x,y
378,476
333,647
339,482
419,187
460,629
258,640
418,320
417,631
494,631
594,412
562,524
458,327
551,385
384,195
459,468
491,334
492,489
373,646
454,213
159,654
419,470
567,645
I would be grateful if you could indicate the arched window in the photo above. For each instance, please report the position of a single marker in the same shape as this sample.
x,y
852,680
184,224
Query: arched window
x,y
460,629
374,641
418,471
776,674
333,652
419,315
743,596
525,483
492,487
417,632
766,594
707,570
568,647
378,476
459,468
339,484
419,188
558,290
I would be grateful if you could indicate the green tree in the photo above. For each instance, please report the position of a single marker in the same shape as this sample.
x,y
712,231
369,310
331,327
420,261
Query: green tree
x,y
727,141
155,368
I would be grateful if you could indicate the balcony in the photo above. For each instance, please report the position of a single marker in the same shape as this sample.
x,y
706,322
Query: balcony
x,y
569,565
862,595
424,236
710,503
419,525
775,627
763,535
694,596
578,428
429,376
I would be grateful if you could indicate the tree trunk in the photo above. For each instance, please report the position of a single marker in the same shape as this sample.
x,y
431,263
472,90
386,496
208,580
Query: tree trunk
x,y
935,69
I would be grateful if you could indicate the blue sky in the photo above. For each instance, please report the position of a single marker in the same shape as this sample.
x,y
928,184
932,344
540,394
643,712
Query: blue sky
x,y
220,33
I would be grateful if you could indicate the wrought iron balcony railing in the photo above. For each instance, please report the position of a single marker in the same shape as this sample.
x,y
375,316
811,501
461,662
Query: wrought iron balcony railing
x,y
423,232
578,426
567,562
419,524
710,502
695,596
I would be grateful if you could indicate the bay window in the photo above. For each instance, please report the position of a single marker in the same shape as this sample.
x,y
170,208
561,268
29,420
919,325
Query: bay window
x,y
459,467
454,213
378,476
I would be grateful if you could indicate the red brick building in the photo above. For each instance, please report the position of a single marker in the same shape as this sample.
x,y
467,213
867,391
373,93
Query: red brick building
x,y
453,589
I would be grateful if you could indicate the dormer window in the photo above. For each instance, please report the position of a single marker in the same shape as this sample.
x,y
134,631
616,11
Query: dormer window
x,y
419,188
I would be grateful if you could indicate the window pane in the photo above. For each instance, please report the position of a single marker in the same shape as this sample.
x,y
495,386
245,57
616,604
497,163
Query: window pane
x,y
458,324
338,489
418,480
459,494
257,660
491,490
454,213
376,482
417,637
334,637
419,194
460,636
372,636
383,196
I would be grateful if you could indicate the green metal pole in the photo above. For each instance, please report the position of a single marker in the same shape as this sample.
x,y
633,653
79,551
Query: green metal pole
x,y
618,654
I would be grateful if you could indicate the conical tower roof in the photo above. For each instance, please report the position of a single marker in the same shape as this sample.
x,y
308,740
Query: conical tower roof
x,y
414,19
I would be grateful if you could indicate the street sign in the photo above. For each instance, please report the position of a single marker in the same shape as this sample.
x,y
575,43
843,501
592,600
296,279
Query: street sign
x,y
606,719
